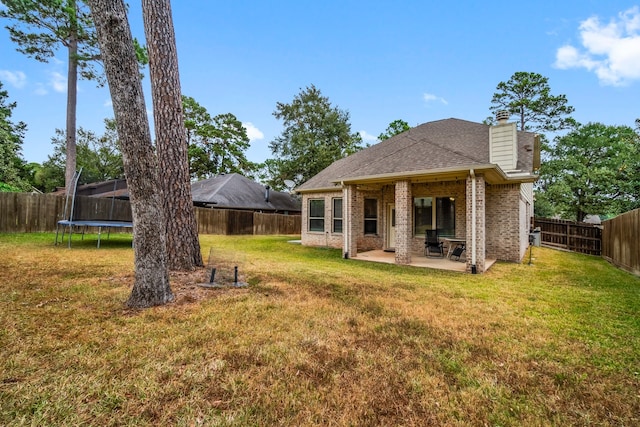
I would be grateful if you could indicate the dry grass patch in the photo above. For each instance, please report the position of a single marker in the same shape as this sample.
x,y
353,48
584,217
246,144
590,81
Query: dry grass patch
x,y
314,340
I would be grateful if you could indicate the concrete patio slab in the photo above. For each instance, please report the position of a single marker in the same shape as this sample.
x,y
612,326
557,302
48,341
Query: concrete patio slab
x,y
419,260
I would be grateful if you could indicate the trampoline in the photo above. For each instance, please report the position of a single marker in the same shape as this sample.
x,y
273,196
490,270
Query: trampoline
x,y
69,223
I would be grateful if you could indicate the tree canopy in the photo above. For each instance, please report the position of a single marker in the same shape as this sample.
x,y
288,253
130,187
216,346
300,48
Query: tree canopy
x,y
315,135
216,145
39,29
395,127
594,169
99,156
528,96
12,165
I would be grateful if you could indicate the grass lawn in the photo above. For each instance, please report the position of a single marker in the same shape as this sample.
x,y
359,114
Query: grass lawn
x,y
314,340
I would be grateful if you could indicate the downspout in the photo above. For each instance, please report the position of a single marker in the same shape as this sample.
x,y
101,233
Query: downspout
x,y
473,221
346,223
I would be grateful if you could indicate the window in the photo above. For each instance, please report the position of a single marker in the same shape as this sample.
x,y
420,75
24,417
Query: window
x,y
316,215
337,215
437,213
446,216
370,216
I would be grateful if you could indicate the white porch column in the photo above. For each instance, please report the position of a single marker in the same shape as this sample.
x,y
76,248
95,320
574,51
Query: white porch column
x,y
404,205
349,234
476,241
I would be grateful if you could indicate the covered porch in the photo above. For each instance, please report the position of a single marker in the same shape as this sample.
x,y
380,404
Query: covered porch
x,y
400,212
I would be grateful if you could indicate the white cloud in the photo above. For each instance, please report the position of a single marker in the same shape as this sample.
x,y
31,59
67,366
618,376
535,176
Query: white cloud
x,y
611,51
428,97
108,102
366,136
41,90
253,132
15,78
58,82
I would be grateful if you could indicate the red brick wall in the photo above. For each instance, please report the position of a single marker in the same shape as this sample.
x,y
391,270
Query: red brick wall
x,y
503,222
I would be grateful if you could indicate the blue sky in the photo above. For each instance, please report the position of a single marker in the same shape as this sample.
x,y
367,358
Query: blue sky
x,y
412,60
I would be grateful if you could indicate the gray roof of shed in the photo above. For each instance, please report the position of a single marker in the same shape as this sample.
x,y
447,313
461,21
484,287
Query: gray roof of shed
x,y
447,144
234,191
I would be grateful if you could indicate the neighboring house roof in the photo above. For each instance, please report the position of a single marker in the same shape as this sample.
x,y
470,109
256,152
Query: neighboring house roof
x,y
231,191
234,191
443,148
113,188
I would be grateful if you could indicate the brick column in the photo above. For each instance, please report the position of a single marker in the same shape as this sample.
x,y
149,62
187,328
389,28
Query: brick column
x,y
480,241
350,243
404,205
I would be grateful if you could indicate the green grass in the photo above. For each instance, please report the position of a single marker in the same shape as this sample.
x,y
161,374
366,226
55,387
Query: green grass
x,y
314,340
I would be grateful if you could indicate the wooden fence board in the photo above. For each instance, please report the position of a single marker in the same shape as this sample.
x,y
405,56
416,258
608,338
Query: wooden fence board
x,y
569,235
211,221
620,241
27,213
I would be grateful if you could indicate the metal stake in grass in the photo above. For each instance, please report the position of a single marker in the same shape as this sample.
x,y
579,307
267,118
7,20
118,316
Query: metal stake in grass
x,y
235,279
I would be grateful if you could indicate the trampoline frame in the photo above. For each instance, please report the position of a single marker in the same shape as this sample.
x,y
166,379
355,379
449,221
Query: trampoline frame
x,y
70,223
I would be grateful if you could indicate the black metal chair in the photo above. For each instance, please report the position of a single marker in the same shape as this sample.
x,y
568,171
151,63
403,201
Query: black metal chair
x,y
457,251
432,244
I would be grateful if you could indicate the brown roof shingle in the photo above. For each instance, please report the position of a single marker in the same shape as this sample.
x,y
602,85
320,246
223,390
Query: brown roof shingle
x,y
443,144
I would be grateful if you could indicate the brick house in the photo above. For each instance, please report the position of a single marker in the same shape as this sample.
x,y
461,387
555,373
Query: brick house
x,y
467,180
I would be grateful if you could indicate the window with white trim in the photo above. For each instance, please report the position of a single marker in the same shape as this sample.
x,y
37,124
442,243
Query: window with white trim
x,y
337,215
370,216
316,214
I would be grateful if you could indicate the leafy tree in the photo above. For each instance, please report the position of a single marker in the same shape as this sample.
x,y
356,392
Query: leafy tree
x,y
543,207
315,135
183,246
216,145
40,28
50,175
269,173
151,286
98,156
12,165
528,96
594,169
395,127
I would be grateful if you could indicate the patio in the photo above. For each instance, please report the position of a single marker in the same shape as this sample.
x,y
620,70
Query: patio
x,y
419,260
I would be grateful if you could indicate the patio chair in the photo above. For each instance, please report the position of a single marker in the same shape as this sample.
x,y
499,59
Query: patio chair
x,y
457,252
432,244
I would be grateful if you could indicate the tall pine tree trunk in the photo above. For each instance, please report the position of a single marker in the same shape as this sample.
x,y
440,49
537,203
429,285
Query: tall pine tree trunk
x,y
72,96
151,285
183,247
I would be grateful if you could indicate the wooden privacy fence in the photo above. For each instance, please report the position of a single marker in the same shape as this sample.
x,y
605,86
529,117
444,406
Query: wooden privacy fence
x,y
29,213
569,235
620,241
32,213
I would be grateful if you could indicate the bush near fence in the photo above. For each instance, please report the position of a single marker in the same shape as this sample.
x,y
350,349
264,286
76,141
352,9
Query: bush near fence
x,y
32,213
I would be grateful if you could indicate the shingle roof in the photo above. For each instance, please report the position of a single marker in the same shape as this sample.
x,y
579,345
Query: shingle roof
x,y
234,191
439,145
